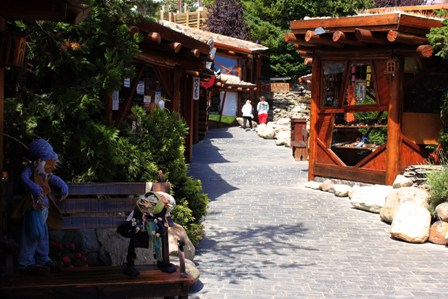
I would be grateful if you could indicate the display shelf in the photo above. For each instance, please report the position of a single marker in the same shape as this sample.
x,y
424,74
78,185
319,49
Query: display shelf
x,y
358,126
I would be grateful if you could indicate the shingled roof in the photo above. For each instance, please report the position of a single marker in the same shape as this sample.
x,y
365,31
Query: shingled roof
x,y
220,41
399,29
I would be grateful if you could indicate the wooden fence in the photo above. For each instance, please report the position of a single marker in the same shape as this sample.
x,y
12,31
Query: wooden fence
x,y
196,19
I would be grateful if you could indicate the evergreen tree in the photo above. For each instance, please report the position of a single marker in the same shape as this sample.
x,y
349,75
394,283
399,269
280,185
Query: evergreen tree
x,y
226,17
268,22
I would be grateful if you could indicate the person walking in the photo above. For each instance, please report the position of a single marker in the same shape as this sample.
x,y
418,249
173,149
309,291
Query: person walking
x,y
247,115
263,109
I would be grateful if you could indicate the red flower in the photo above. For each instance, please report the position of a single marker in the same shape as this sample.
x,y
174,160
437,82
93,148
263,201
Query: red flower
x,y
66,259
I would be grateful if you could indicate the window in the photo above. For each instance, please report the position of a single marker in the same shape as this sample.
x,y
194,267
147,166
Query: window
x,y
360,85
333,73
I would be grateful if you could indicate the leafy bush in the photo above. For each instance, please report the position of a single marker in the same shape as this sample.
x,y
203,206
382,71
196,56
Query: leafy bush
x,y
437,181
160,137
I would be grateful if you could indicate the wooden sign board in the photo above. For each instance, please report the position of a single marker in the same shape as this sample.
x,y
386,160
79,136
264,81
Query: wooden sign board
x,y
280,87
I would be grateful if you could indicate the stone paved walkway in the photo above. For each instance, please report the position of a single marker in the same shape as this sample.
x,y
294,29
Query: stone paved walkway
x,y
269,237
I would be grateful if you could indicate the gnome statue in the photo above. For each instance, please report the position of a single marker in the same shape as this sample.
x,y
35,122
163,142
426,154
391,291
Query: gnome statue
x,y
40,209
145,225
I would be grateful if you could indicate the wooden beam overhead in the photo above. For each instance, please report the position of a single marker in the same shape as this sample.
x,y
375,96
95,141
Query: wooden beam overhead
x,y
349,39
425,51
379,22
170,35
175,46
290,37
320,39
154,37
195,53
68,11
367,36
422,51
402,38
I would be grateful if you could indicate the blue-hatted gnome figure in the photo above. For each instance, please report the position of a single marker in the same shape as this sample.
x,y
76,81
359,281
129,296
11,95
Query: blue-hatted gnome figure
x,y
39,208
145,226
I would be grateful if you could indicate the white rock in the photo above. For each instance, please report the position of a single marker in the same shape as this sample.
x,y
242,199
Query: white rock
x,y
411,223
402,181
370,198
313,185
341,190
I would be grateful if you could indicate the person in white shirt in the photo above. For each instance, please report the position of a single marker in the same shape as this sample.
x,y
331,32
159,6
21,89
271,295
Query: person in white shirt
x,y
247,115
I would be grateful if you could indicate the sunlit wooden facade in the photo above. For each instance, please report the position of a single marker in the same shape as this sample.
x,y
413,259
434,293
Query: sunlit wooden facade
x,y
376,92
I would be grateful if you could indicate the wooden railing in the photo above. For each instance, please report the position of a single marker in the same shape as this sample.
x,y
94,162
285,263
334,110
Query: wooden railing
x,y
196,19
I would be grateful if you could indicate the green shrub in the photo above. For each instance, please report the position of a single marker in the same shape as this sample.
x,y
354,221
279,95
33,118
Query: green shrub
x,y
438,182
160,137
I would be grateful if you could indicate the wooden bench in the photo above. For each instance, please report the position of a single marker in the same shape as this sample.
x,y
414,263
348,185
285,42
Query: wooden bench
x,y
98,206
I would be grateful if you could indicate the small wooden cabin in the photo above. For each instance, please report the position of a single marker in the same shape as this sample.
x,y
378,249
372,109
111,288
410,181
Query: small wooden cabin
x,y
168,65
376,92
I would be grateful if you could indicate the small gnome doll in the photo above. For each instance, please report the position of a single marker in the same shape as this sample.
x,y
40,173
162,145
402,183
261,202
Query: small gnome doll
x,y
40,206
149,221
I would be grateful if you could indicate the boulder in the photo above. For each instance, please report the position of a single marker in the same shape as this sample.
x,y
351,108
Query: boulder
x,y
341,190
114,249
369,198
411,223
189,249
313,185
442,211
283,138
190,267
266,132
327,186
402,181
397,197
437,232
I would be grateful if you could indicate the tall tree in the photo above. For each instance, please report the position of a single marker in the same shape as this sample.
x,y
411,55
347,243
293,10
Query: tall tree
x,y
268,22
438,37
226,17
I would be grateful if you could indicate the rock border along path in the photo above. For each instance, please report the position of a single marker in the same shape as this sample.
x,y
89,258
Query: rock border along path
x,y
267,236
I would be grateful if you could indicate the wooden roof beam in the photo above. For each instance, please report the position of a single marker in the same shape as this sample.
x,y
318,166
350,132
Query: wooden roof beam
x,y
346,39
308,61
154,37
175,46
368,36
402,38
423,51
296,41
320,39
305,51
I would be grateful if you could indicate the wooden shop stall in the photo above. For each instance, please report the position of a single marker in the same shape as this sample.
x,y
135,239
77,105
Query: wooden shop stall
x,y
169,69
376,92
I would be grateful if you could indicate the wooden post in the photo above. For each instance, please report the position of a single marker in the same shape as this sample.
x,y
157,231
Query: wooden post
x,y
189,116
315,97
222,107
176,90
258,75
127,105
107,98
2,100
394,125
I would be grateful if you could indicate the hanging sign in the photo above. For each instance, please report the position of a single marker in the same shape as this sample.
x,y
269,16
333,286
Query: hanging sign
x,y
141,88
115,100
196,87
